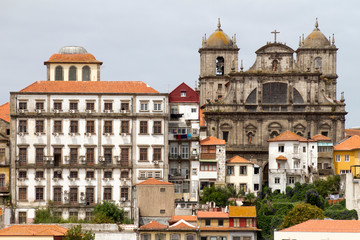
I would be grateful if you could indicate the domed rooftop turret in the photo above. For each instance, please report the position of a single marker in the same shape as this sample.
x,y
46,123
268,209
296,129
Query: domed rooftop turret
x,y
316,39
219,39
72,50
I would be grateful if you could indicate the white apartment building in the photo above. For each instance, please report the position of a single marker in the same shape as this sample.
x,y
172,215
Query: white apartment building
x,y
78,143
292,159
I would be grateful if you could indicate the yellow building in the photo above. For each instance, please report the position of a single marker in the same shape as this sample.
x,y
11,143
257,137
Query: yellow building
x,y
347,154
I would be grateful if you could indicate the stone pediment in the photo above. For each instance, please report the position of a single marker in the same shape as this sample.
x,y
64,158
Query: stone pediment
x,y
275,48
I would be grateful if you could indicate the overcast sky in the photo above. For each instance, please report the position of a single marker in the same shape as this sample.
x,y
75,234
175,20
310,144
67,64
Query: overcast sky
x,y
157,41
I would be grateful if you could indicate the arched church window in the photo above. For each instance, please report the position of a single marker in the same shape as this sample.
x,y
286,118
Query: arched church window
x,y
86,73
72,73
274,134
297,97
275,64
275,93
251,99
219,66
59,73
318,63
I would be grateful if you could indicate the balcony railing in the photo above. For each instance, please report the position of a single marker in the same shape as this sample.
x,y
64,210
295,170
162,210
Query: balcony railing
x,y
210,156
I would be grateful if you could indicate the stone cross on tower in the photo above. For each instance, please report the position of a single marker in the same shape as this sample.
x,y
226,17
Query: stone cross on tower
x,y
275,32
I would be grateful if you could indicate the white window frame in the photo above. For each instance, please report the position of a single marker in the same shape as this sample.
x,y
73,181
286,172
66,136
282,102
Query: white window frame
x,y
347,158
277,180
337,158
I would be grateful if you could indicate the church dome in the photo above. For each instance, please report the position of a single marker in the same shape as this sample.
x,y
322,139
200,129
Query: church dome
x,y
219,39
316,39
72,50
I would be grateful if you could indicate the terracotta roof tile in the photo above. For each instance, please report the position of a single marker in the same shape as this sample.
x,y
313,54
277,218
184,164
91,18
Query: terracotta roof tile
x,y
320,137
153,225
33,230
72,58
212,141
288,136
187,218
206,214
243,211
352,132
348,144
326,226
238,159
281,158
202,118
89,87
5,112
182,225
153,181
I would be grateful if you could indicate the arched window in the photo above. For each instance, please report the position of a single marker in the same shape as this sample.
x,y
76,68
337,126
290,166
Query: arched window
x,y
59,73
220,66
318,64
86,73
72,73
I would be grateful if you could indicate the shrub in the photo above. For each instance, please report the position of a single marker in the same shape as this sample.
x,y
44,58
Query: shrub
x,y
301,213
108,212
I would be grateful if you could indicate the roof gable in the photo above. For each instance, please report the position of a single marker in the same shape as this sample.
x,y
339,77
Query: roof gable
x,y
351,143
153,225
190,95
212,141
238,159
320,137
182,224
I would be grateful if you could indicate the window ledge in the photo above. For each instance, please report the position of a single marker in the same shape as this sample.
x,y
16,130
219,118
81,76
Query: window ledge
x,y
157,134
144,134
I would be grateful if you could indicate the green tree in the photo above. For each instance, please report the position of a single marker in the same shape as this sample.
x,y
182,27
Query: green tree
x,y
327,186
249,199
44,215
108,212
219,195
76,233
301,213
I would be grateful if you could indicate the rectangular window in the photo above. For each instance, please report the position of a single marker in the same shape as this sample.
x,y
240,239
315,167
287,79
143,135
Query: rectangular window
x,y
193,110
89,195
183,94
143,127
22,194
337,158
281,148
124,126
304,149
145,236
58,106
22,126
124,194
107,193
108,155
108,127
22,217
207,222
90,156
256,187
184,151
22,174
39,126
90,106
90,174
108,174
57,174
73,215
74,126
124,106
74,174
73,106
291,180
157,127
73,196
108,106
221,223
39,156
256,170
57,126
22,105
277,180
249,222
124,174
22,156
143,154
39,193
73,156
230,170
347,158
157,106
157,154
90,126
39,105
243,187
124,154
39,174
142,175
143,106
236,222
57,196
243,170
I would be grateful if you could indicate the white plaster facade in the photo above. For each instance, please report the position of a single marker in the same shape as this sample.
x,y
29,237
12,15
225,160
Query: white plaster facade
x,y
248,181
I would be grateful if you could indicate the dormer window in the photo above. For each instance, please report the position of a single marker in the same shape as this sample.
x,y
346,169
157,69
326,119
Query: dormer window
x,y
59,73
220,66
86,73
72,73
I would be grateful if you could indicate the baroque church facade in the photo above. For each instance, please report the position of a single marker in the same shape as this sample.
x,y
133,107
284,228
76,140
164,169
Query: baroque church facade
x,y
278,93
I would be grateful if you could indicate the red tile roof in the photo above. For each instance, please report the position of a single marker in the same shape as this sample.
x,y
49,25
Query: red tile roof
x,y
238,159
352,132
182,225
288,136
281,158
5,112
212,141
326,226
153,181
351,143
320,137
33,230
153,225
242,211
206,214
89,87
73,58
187,218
